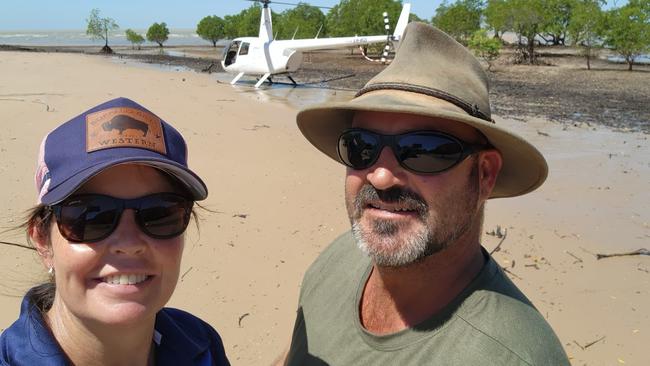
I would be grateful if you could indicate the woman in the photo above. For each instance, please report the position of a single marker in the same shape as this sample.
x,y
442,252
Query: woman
x,y
115,197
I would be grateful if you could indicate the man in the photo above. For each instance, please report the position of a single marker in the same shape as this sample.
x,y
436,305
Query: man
x,y
411,284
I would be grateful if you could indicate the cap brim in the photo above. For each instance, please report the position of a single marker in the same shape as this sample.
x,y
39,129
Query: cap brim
x,y
524,168
189,179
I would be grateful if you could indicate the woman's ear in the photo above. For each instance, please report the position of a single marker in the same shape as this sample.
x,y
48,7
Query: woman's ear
x,y
41,241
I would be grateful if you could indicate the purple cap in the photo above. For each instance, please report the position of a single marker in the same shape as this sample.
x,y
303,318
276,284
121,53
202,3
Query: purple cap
x,y
116,132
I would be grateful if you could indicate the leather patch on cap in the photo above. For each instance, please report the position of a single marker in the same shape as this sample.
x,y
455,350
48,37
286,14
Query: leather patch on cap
x,y
124,127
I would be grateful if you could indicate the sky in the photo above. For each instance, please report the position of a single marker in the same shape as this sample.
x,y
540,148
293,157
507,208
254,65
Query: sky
x,y
140,14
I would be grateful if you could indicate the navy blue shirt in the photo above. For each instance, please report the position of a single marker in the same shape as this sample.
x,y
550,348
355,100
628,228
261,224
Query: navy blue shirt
x,y
180,338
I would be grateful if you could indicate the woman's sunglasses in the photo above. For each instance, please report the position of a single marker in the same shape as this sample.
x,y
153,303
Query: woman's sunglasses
x,y
422,152
88,218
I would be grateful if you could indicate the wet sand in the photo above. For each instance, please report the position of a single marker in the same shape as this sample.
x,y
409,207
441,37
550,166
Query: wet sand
x,y
277,203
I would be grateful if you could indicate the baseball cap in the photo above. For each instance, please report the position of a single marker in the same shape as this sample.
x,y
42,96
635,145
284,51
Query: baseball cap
x,y
116,132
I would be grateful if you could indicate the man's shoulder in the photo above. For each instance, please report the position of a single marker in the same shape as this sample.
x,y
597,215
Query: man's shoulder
x,y
336,262
506,320
339,252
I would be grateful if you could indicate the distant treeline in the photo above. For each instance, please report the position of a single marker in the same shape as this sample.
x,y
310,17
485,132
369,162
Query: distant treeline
x,y
584,23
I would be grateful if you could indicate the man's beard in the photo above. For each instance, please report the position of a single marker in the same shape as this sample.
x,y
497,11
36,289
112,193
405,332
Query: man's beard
x,y
388,243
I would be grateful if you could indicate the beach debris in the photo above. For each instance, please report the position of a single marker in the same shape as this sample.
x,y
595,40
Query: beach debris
x,y
642,251
577,259
224,100
588,344
534,265
186,272
17,245
242,318
256,127
499,234
241,216
511,273
543,133
208,69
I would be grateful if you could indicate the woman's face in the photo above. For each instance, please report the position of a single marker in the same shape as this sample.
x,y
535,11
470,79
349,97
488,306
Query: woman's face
x,y
87,288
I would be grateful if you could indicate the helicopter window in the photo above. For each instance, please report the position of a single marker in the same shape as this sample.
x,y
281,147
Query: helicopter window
x,y
231,53
244,49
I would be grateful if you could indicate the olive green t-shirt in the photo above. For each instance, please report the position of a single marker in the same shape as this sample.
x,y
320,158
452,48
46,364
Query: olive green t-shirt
x,y
490,323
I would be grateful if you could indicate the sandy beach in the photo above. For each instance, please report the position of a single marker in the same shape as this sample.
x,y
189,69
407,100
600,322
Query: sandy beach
x,y
275,203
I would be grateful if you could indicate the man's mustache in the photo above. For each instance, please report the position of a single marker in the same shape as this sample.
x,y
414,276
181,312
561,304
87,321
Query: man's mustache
x,y
395,195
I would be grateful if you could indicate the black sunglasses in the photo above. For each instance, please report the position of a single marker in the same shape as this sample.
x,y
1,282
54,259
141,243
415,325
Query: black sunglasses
x,y
88,218
422,152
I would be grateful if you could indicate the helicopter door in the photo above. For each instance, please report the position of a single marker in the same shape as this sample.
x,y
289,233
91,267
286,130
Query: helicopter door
x,y
231,53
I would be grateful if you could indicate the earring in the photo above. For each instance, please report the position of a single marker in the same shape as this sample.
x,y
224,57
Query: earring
x,y
51,271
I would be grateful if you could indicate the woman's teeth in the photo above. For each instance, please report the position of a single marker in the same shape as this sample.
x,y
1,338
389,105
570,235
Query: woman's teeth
x,y
125,279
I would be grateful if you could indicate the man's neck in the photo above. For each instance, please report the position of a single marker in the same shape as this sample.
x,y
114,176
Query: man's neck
x,y
396,298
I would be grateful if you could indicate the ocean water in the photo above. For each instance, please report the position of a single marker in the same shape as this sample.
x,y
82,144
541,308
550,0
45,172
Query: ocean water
x,y
78,37
643,59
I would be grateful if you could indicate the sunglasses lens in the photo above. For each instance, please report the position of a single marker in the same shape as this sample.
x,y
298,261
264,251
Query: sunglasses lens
x,y
87,218
164,215
358,149
428,153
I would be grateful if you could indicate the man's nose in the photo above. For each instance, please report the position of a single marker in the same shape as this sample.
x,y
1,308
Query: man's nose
x,y
128,238
386,172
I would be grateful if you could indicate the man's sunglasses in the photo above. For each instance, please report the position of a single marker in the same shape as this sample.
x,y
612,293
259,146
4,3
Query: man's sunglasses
x,y
422,152
88,218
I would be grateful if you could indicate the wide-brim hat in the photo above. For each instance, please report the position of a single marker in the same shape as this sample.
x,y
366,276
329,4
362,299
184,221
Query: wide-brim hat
x,y
432,75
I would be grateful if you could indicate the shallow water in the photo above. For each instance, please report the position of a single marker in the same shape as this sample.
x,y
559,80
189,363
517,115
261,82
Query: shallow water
x,y
295,96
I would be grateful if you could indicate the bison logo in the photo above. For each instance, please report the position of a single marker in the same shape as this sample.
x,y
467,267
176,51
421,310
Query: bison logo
x,y
123,122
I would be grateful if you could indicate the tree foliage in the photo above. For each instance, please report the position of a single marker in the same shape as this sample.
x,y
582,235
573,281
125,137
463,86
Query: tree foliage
x,y
586,26
134,38
460,19
498,16
158,32
627,30
361,17
484,46
302,21
98,28
246,23
559,13
529,18
211,28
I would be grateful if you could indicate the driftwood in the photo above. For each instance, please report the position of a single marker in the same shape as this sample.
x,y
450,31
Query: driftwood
x,y
209,68
499,234
642,251
17,245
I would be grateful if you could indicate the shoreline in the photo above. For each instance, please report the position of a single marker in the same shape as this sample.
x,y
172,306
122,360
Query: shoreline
x,y
561,91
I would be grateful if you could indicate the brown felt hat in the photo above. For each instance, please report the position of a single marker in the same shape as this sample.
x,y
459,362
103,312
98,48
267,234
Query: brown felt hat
x,y
431,75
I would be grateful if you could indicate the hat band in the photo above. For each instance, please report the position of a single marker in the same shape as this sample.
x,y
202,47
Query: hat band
x,y
471,109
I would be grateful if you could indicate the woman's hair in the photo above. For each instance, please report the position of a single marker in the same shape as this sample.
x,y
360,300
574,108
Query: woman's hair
x,y
39,220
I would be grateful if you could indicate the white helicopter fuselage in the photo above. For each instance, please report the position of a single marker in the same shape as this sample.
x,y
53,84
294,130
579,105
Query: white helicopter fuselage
x,y
279,56
265,56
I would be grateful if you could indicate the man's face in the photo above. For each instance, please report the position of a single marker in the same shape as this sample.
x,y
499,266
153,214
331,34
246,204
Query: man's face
x,y
399,217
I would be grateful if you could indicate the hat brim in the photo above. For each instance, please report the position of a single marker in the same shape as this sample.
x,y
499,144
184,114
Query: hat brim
x,y
189,179
524,168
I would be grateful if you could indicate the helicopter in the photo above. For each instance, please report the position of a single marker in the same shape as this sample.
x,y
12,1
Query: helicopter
x,y
265,56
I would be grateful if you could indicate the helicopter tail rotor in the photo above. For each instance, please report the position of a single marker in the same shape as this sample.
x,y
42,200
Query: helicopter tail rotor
x,y
389,46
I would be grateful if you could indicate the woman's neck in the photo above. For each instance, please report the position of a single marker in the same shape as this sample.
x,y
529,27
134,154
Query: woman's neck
x,y
86,342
